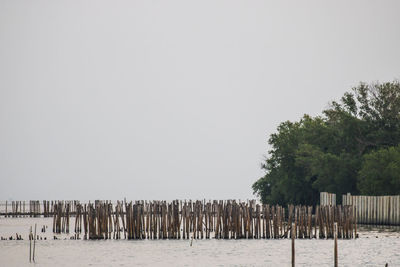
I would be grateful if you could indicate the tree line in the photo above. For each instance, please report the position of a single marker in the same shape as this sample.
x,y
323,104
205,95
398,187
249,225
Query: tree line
x,y
353,146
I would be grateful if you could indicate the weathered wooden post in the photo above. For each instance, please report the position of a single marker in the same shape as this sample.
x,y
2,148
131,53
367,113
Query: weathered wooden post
x,y
335,246
293,247
30,244
34,245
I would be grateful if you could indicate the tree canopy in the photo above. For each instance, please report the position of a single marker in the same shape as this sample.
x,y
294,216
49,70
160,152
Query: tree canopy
x,y
340,151
380,172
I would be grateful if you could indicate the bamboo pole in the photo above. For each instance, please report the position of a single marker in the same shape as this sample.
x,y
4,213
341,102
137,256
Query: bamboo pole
x,y
34,244
335,246
293,245
30,245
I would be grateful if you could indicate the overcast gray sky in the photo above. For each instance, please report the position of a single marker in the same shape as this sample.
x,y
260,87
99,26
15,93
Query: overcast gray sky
x,y
165,99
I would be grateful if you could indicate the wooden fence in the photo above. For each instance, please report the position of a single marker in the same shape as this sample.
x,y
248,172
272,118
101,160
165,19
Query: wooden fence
x,y
33,208
220,219
379,210
327,199
200,219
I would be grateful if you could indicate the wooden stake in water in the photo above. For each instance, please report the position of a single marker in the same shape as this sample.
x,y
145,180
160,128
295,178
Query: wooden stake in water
x,y
30,245
34,243
293,251
335,248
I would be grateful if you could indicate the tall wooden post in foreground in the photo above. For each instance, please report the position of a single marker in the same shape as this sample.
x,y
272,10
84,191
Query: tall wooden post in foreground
x,y
30,245
34,244
335,248
293,251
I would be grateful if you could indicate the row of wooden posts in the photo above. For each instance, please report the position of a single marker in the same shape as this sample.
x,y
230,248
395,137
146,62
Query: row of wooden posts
x,y
375,210
34,208
200,219
105,213
31,209
378,210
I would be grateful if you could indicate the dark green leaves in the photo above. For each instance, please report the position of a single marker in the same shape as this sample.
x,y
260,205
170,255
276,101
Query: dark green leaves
x,y
380,173
336,151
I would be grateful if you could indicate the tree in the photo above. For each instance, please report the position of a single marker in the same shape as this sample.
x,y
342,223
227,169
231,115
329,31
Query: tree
x,y
380,172
326,153
285,181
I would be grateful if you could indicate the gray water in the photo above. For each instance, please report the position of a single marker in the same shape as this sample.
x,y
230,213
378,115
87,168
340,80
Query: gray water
x,y
374,247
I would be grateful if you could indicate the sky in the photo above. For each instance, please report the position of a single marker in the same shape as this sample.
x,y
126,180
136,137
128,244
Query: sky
x,y
171,99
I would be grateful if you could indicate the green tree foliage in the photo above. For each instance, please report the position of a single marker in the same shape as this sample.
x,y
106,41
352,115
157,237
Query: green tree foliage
x,y
327,152
380,173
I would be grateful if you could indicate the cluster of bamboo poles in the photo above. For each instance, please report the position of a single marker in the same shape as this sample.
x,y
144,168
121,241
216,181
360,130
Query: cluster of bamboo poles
x,y
46,208
200,219
20,208
32,236
327,216
61,217
33,208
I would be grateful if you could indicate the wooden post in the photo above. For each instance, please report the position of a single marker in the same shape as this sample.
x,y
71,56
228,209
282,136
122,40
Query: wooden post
x,y
355,223
335,247
293,247
397,210
34,243
30,245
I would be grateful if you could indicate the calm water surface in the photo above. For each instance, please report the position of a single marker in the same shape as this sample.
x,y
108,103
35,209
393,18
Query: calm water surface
x,y
374,247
